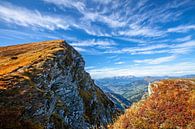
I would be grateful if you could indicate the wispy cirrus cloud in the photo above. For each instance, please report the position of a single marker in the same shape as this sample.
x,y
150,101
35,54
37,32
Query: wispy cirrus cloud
x,y
88,14
141,31
78,5
141,19
93,42
182,28
156,60
80,49
189,44
137,50
93,46
119,63
177,48
90,67
109,47
103,1
183,39
28,18
35,19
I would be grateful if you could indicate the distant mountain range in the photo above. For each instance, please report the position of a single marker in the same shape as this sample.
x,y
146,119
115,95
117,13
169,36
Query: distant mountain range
x,y
132,88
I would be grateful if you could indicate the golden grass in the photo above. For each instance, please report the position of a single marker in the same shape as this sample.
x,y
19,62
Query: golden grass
x,y
13,57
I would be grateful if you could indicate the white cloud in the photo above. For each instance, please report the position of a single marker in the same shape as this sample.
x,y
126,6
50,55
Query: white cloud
x,y
93,46
130,19
102,1
80,49
178,48
88,15
79,5
182,68
89,67
156,60
119,63
182,48
139,50
29,18
109,20
182,28
147,32
93,42
131,39
149,52
147,48
186,44
36,20
183,39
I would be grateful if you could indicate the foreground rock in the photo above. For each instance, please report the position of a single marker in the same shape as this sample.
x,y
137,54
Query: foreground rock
x,y
44,85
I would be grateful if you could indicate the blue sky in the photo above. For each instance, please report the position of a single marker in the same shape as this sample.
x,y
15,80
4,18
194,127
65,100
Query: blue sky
x,y
115,37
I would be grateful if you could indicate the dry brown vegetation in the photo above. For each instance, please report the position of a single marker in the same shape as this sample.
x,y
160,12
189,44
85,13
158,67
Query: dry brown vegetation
x,y
171,106
13,57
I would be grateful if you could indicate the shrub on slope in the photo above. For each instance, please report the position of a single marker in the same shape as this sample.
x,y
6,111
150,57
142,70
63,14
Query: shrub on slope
x,y
171,105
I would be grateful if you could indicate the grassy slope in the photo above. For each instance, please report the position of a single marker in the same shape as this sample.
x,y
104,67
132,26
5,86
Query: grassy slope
x,y
172,105
18,56
13,57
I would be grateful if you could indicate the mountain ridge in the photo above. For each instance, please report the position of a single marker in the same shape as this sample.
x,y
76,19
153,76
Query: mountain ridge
x,y
44,85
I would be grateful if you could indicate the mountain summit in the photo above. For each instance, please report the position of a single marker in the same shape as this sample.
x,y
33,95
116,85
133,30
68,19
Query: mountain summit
x,y
44,85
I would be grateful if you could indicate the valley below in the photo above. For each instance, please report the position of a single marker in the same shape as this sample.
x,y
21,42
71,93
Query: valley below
x,y
129,89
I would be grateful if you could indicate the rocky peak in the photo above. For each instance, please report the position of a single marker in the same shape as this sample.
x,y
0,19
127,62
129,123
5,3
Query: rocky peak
x,y
44,85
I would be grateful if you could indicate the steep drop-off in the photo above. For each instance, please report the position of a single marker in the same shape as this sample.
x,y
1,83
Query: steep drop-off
x,y
44,85
170,105
120,102
130,87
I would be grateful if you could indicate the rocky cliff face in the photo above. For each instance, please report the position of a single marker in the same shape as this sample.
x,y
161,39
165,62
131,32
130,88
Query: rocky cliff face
x,y
44,85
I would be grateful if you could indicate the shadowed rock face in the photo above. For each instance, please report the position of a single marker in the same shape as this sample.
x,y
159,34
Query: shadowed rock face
x,y
44,85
